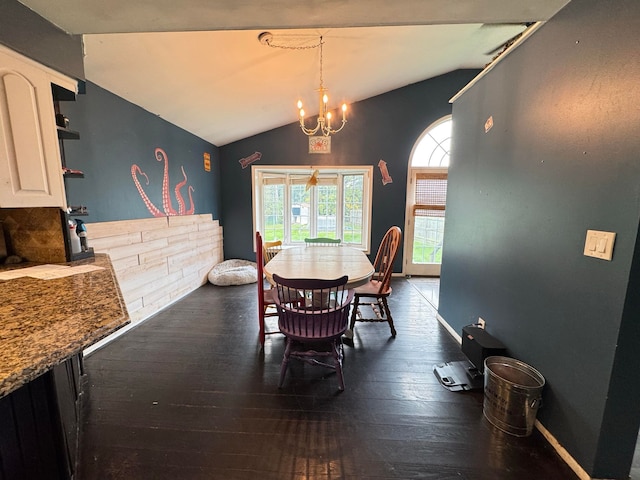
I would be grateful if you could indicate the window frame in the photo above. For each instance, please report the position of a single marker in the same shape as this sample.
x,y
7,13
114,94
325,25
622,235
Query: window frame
x,y
288,172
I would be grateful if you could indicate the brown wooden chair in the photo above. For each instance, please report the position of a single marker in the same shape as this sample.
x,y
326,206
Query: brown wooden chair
x,y
266,299
374,293
313,327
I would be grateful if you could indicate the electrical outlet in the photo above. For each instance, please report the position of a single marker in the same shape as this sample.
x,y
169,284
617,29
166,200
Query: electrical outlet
x,y
481,323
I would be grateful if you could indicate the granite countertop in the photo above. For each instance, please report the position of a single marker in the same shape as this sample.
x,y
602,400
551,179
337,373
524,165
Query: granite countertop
x,y
45,322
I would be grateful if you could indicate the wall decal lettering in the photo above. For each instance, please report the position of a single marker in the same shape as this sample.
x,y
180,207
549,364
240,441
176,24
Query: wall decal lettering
x,y
167,205
254,157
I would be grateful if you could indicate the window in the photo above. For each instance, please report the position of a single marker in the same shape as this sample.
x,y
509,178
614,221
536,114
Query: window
x,y
432,149
426,199
338,206
432,152
428,213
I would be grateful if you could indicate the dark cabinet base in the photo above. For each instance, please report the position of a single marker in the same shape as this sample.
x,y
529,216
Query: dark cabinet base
x,y
39,425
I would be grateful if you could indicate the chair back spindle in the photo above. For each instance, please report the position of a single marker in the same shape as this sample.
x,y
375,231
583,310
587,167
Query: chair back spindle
x,y
387,252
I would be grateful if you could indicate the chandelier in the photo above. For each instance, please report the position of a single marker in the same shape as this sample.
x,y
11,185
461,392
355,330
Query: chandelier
x,y
323,125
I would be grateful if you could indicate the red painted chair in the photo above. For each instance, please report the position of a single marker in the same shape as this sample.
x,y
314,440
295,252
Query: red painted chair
x,y
374,293
266,300
314,327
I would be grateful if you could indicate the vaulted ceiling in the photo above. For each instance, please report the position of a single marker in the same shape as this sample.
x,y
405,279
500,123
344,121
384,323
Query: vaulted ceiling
x,y
199,65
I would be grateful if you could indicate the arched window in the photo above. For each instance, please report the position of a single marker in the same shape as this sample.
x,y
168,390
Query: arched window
x,y
426,198
432,149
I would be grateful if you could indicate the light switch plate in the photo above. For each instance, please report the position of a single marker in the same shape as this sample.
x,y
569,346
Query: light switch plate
x,y
599,244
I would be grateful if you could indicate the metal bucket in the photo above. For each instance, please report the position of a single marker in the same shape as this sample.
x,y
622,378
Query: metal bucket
x,y
512,394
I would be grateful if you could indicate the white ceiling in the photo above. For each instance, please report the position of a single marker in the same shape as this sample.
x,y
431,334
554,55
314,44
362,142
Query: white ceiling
x,y
199,65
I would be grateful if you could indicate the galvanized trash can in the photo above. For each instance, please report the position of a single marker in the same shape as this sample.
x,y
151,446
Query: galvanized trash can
x,y
512,394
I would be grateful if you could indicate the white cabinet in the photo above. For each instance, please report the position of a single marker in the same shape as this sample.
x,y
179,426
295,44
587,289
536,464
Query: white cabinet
x,y
30,168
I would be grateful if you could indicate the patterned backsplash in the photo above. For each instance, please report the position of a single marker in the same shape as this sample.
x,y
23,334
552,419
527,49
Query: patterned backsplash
x,y
34,234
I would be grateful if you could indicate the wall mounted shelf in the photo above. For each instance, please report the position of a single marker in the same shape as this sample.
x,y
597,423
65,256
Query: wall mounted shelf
x,y
66,134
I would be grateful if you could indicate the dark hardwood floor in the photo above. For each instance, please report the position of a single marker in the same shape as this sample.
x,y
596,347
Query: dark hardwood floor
x,y
189,394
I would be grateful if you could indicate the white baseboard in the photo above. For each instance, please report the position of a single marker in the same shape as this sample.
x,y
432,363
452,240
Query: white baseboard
x,y
451,331
110,338
562,452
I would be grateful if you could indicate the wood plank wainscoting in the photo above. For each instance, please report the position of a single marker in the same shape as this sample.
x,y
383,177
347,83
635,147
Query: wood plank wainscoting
x,y
158,260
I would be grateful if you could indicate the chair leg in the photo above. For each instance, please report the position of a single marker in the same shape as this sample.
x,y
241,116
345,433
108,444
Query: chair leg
x,y
387,313
380,308
285,363
354,311
262,334
337,358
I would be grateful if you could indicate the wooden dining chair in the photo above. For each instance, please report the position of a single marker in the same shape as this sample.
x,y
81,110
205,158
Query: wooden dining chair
x,y
314,327
271,249
266,299
374,293
322,241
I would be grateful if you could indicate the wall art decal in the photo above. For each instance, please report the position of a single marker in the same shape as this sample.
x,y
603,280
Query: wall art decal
x,y
167,206
386,178
246,161
488,125
319,144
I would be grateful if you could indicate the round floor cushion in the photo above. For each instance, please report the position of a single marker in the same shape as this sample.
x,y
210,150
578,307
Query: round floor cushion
x,y
233,272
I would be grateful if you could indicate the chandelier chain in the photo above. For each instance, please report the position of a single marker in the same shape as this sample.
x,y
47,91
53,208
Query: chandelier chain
x,y
321,82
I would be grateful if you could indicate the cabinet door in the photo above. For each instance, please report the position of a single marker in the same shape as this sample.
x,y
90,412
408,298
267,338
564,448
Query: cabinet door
x,y
68,387
30,169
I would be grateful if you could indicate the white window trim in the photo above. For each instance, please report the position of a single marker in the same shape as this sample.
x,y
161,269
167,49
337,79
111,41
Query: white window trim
x,y
258,171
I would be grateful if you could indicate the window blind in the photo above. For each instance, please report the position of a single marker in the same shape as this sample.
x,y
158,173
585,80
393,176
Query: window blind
x,y
430,195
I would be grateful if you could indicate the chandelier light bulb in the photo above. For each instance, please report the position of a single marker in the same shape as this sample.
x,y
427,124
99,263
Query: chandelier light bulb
x,y
299,104
301,113
325,99
344,108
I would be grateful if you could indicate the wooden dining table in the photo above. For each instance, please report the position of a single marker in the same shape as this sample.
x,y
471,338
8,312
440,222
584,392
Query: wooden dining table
x,y
323,263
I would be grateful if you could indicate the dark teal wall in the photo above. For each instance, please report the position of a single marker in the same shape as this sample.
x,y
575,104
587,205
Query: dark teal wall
x,y
561,158
383,127
24,31
114,135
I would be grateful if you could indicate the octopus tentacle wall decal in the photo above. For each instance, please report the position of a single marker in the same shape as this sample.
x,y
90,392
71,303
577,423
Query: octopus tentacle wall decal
x,y
167,205
181,206
193,207
135,169
161,156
